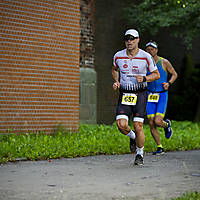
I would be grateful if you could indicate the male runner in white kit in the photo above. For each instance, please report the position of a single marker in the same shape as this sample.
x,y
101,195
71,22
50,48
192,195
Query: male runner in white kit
x,y
132,64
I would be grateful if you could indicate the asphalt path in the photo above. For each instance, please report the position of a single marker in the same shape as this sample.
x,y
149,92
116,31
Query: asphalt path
x,y
102,177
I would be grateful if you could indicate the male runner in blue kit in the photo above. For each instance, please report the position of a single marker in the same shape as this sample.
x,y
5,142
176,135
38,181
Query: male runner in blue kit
x,y
158,97
129,73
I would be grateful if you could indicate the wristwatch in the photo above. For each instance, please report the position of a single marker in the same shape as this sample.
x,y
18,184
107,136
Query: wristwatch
x,y
169,83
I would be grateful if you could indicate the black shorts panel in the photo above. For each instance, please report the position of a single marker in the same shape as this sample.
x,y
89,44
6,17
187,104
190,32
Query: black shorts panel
x,y
139,110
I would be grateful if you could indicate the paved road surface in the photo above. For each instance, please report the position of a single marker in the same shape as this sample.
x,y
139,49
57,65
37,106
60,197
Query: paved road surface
x,y
102,178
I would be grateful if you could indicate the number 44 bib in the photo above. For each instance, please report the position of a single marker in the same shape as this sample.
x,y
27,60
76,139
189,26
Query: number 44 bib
x,y
129,99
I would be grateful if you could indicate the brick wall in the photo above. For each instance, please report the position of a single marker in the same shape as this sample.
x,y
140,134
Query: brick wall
x,y
87,50
87,71
39,65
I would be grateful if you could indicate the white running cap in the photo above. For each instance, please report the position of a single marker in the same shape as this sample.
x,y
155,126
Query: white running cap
x,y
152,44
132,32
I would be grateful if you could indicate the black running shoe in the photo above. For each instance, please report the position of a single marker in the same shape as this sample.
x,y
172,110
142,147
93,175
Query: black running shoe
x,y
139,160
159,151
132,145
168,130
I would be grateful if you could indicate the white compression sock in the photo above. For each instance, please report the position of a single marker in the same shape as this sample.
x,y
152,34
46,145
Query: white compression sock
x,y
131,134
140,151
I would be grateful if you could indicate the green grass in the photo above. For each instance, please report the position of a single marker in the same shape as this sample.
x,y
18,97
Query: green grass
x,y
91,140
189,196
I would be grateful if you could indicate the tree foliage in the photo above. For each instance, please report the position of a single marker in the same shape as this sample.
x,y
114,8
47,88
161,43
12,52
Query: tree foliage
x,y
181,16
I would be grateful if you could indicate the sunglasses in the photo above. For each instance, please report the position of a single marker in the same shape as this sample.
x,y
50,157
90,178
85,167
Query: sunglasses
x,y
129,37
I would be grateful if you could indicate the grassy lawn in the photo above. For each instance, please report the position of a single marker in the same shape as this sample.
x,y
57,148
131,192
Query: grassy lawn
x,y
189,196
91,140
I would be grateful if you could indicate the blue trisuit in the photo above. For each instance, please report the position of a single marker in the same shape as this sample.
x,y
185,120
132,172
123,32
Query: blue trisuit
x,y
157,96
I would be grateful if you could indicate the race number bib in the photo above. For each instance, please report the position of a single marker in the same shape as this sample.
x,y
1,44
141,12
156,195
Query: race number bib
x,y
153,97
129,99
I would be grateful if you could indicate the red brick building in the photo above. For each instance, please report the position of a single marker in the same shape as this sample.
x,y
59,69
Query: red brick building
x,y
39,65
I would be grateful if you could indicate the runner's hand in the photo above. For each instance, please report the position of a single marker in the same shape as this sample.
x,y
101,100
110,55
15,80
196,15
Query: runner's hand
x,y
116,85
165,86
139,78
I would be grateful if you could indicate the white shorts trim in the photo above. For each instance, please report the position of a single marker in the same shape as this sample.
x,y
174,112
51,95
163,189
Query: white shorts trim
x,y
138,119
122,117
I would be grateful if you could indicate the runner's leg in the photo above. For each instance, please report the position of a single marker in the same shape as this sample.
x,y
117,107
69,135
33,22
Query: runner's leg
x,y
140,137
154,131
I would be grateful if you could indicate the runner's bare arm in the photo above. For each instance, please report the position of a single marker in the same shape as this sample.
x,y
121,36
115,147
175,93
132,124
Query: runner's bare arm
x,y
115,76
152,77
155,75
171,71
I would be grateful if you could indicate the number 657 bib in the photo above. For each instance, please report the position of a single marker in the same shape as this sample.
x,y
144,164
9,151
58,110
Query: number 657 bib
x,y
129,99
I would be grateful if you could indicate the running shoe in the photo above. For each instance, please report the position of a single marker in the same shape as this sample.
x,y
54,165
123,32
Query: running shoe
x,y
132,145
159,151
168,130
139,160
